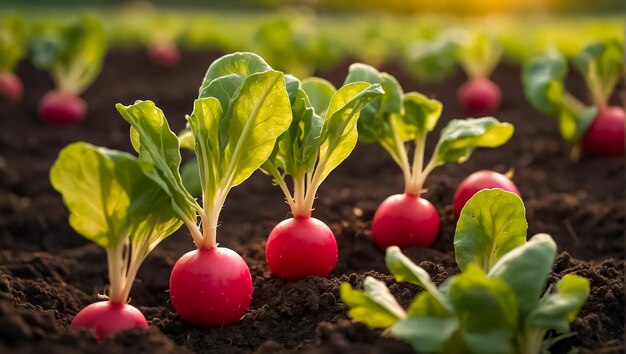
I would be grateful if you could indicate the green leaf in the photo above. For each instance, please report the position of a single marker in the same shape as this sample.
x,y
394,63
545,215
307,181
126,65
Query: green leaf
x,y
558,309
259,114
492,223
159,153
339,134
12,42
461,137
479,54
380,117
426,334
319,92
190,174
205,124
296,149
404,270
227,73
525,269
374,306
421,112
543,79
601,64
433,60
487,311
185,139
109,197
74,55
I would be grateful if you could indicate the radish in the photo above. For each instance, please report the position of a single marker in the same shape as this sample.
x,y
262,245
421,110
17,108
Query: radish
x,y
62,107
12,48
407,219
479,96
478,181
164,54
114,204
598,127
205,271
108,317
11,88
232,137
478,55
308,151
73,56
301,246
605,135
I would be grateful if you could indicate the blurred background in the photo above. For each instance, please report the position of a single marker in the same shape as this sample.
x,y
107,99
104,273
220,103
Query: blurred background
x,y
303,36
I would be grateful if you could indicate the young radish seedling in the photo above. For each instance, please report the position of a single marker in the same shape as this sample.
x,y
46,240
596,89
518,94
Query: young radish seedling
x,y
73,56
115,205
599,127
242,109
495,305
407,219
322,134
12,38
478,181
479,55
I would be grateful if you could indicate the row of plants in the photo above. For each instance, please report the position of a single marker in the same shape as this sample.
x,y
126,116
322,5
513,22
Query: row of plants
x,y
249,116
73,55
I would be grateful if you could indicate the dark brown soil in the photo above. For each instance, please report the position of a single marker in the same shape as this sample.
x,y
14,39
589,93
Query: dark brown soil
x,y
48,273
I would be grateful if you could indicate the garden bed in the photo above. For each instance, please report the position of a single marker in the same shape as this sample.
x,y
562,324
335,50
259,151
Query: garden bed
x,y
48,273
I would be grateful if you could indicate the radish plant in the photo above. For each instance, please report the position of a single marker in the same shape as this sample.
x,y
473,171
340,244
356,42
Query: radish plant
x,y
322,134
599,127
115,205
478,181
495,305
478,55
73,56
242,109
12,43
392,120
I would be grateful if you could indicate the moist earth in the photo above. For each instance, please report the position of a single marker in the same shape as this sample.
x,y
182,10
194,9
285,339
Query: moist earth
x,y
48,273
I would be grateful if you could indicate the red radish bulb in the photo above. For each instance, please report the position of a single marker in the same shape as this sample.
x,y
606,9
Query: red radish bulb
x,y
11,88
479,96
106,318
478,181
164,54
211,287
299,247
605,135
60,107
405,220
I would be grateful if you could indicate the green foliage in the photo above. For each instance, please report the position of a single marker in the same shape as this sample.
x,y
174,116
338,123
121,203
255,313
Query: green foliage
x,y
397,117
492,224
159,153
72,54
601,64
12,42
543,78
461,137
434,59
115,205
322,134
499,311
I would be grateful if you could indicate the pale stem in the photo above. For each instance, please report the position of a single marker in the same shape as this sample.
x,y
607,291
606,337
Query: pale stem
x,y
115,261
404,160
419,185
301,194
418,158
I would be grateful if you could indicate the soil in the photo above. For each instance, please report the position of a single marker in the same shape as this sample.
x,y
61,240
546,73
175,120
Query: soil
x,y
48,273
